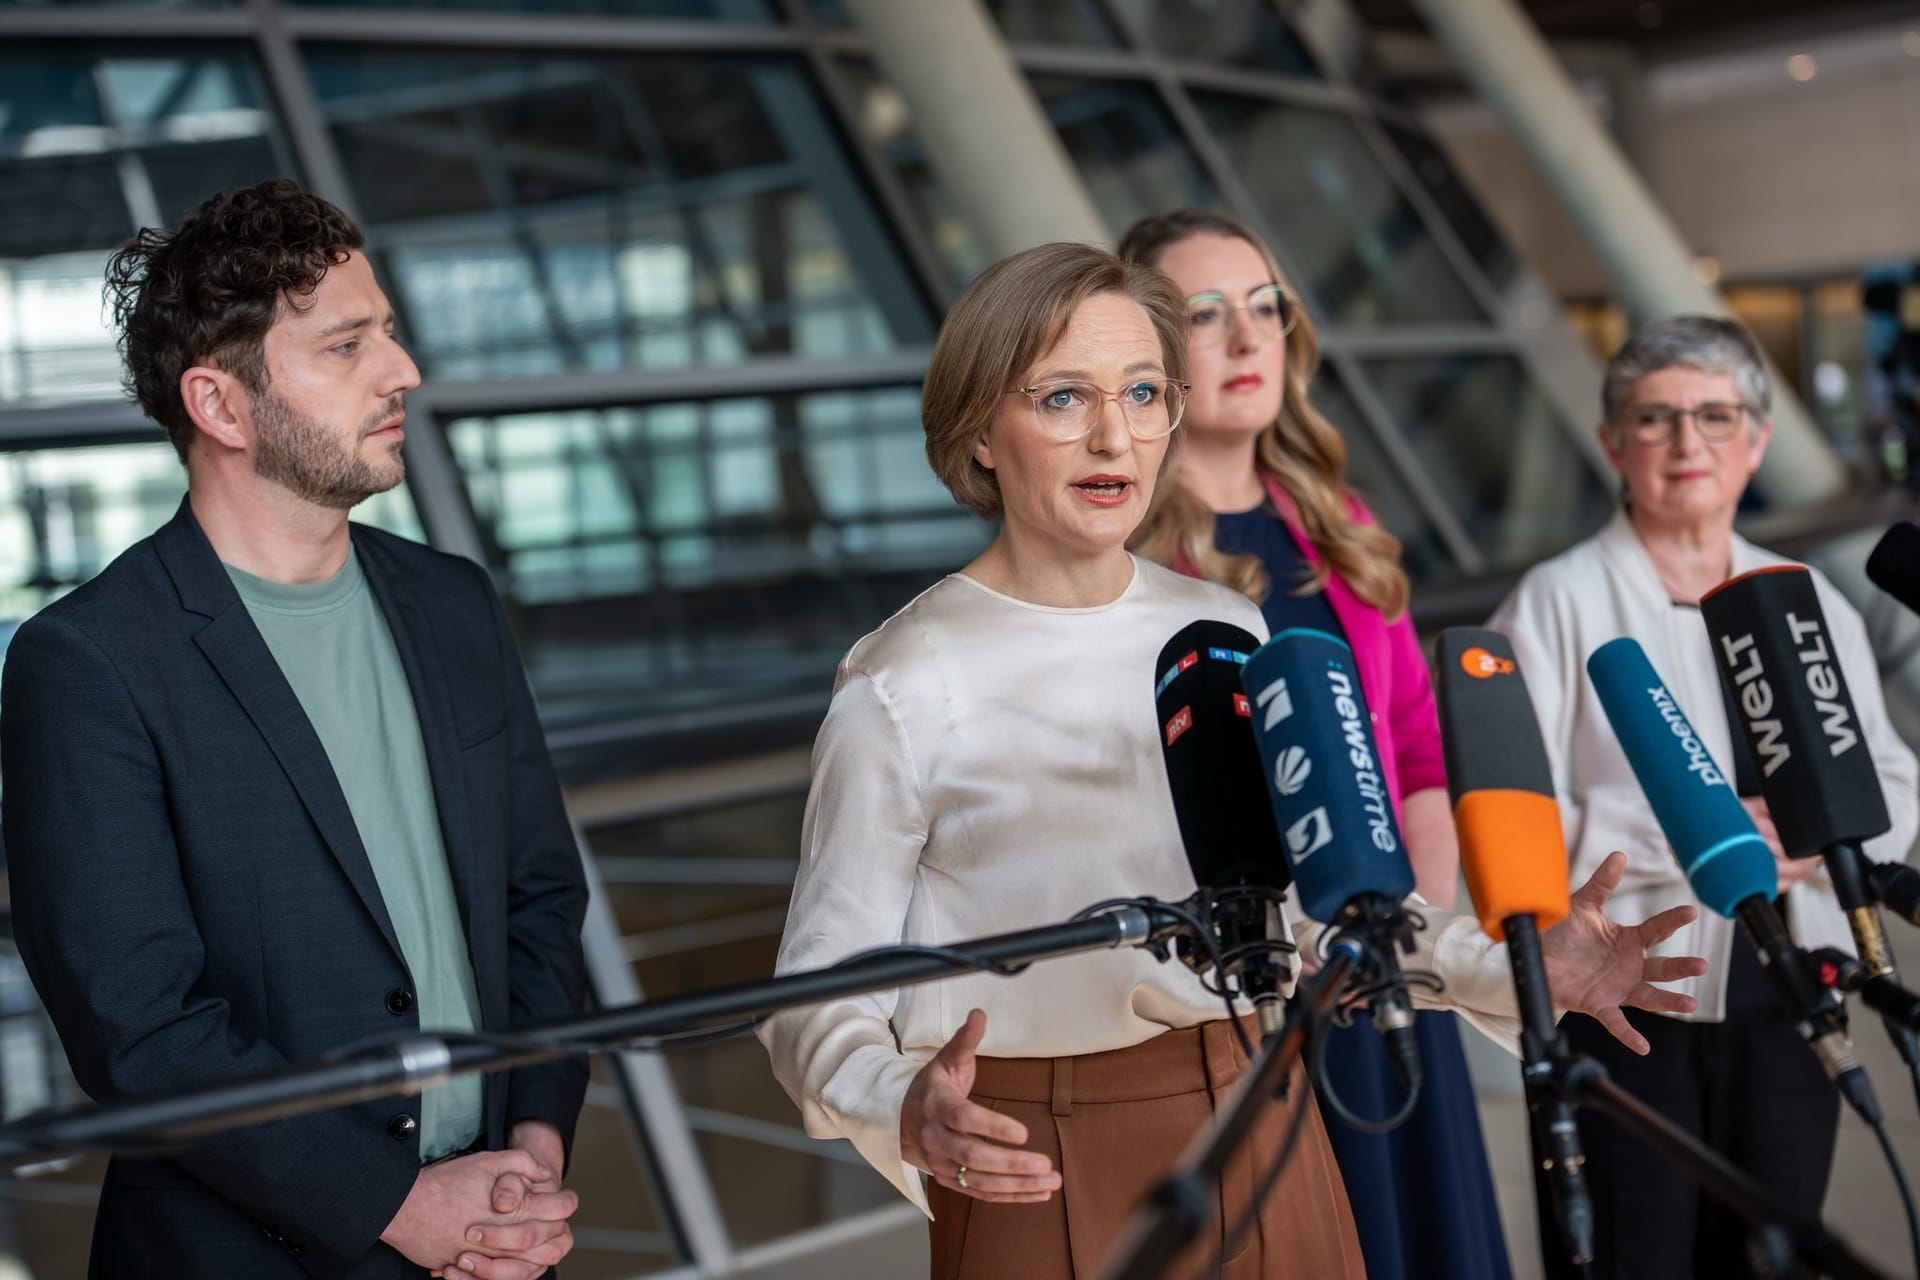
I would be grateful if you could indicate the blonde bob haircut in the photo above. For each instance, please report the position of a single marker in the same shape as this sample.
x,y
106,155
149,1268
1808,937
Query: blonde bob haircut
x,y
1009,317
1301,450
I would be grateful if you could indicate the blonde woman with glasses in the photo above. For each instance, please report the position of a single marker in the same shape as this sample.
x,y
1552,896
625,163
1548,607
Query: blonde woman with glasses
x,y
1262,505
991,761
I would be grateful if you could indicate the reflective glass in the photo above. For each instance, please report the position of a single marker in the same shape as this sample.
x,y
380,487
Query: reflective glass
x,y
66,513
1496,451
1458,205
1239,33
537,215
1370,475
1366,258
91,149
682,10
1021,21
686,555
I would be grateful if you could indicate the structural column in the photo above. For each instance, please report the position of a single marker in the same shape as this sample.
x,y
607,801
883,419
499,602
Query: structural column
x,y
988,141
1509,65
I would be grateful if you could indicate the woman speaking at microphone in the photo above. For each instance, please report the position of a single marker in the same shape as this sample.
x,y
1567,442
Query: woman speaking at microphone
x,y
1259,501
1684,422
991,761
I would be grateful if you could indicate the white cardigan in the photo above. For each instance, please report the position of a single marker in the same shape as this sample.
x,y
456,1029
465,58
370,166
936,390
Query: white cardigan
x,y
1607,587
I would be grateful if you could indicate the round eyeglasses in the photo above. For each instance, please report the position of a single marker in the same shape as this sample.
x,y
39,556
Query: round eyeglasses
x,y
1655,424
1068,410
1267,311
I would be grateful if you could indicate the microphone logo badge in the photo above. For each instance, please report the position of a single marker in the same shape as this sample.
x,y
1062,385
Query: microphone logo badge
x,y
1310,834
1241,707
1823,683
1276,701
1480,664
1291,771
1178,723
1699,763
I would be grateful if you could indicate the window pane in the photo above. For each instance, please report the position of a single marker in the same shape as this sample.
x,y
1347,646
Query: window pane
x,y
91,149
1241,33
536,215
1021,21
684,10
1458,205
1496,451
691,555
1840,367
1342,223
1370,475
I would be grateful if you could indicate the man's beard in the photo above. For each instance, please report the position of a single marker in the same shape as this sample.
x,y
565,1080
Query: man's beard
x,y
307,459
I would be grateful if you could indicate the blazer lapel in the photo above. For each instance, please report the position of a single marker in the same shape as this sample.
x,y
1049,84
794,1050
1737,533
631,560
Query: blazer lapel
x,y
233,645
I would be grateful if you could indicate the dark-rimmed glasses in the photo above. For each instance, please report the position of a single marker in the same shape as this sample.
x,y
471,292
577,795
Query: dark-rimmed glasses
x,y
1267,310
1067,409
1717,421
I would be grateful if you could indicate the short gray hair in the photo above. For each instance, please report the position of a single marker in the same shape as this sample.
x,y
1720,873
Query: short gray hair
x,y
1710,344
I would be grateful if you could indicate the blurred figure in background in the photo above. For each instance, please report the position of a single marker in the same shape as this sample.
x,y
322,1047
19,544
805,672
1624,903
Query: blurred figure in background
x,y
1685,405
1261,504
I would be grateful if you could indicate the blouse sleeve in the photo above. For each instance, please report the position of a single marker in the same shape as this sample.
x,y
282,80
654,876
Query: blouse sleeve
x,y
864,827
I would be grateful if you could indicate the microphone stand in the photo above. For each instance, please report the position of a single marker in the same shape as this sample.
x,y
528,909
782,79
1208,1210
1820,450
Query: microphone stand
x,y
1849,868
159,1123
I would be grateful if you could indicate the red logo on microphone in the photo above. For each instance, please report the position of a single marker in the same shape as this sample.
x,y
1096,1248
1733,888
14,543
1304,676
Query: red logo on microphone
x,y
1181,721
1241,707
1189,660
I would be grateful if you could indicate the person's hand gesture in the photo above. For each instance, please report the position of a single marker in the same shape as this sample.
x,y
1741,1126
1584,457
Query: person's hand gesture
x,y
961,1143
452,1198
1595,966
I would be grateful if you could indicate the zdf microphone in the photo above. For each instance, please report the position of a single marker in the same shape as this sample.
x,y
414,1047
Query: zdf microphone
x,y
1336,819
1514,852
1729,866
1219,800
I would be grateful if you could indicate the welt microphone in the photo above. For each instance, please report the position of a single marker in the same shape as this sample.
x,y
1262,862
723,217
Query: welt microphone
x,y
1729,866
1514,852
1772,647
1206,737
1894,566
1337,826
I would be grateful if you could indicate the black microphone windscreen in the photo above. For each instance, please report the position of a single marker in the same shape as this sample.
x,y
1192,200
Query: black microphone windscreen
x,y
1894,566
1213,766
1775,656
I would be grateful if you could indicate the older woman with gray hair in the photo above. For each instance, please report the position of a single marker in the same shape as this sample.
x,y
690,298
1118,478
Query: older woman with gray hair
x,y
1686,403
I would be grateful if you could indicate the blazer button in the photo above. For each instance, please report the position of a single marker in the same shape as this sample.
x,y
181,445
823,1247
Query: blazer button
x,y
402,1127
399,1001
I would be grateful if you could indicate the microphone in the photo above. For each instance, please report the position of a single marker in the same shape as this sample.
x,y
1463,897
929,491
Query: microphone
x,y
1894,566
1206,738
1514,852
1729,866
1898,888
1336,820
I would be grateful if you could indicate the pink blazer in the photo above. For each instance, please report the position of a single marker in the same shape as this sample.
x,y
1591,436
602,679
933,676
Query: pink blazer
x,y
1393,670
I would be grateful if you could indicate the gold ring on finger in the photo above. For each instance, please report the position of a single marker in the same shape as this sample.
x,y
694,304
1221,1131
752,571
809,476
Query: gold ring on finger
x,y
960,1176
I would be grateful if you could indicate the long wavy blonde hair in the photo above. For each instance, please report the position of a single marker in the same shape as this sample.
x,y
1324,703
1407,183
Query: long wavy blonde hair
x,y
1301,450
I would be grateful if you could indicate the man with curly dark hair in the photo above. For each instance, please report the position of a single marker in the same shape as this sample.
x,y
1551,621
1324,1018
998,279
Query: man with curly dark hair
x,y
274,783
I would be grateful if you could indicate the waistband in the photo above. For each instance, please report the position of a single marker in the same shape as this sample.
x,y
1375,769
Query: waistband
x,y
1188,1060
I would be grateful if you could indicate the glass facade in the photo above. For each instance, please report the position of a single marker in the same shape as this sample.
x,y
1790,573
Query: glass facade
x,y
671,269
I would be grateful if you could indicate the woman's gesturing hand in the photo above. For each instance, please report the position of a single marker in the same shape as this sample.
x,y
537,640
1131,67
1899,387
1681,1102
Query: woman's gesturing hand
x,y
1594,966
963,1144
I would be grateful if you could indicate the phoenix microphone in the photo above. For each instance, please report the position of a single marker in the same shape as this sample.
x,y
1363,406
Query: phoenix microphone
x,y
1894,566
1514,852
1729,866
1206,737
1336,819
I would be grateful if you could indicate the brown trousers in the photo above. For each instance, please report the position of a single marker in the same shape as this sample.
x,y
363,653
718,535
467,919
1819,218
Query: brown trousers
x,y
1115,1124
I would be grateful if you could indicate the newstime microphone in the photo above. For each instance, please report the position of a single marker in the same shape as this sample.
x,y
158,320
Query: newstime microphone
x,y
1726,862
1337,826
1220,802
1514,853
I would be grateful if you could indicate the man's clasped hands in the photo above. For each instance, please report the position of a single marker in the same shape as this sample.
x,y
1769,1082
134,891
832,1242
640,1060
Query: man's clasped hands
x,y
493,1215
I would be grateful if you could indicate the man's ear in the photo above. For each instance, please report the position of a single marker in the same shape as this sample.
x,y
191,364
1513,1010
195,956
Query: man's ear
x,y
218,405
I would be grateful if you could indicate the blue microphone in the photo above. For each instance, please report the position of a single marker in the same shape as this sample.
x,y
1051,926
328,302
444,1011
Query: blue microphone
x,y
1338,832
1729,866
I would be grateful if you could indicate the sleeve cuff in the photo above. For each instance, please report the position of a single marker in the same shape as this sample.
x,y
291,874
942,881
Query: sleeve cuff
x,y
864,1102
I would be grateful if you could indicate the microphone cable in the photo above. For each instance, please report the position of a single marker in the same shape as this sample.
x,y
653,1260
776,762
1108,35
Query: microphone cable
x,y
1906,1192
1343,1017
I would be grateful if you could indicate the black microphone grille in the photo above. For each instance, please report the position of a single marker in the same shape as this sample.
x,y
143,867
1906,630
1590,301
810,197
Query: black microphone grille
x,y
1894,566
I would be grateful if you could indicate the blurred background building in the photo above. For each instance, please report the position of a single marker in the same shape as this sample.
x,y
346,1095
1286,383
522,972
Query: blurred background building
x,y
671,269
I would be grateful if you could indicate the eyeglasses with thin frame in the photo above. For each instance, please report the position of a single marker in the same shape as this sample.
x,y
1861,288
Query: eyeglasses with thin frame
x,y
1717,421
1067,409
1267,310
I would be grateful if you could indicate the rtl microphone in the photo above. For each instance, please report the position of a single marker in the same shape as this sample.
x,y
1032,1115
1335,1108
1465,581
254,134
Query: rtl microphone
x,y
1776,659
1514,852
1337,826
1729,866
1894,566
1219,798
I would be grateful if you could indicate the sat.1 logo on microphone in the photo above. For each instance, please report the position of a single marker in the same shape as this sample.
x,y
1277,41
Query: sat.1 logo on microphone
x,y
1291,771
